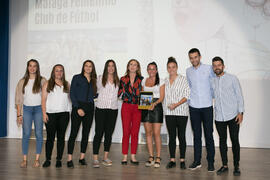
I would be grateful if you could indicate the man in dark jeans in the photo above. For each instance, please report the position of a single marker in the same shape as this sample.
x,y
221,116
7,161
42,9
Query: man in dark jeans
x,y
199,77
229,109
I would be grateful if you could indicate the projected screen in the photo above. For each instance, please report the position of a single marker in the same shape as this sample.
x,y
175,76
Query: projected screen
x,y
71,31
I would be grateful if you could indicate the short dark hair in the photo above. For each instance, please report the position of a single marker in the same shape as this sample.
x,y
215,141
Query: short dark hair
x,y
172,60
193,50
217,58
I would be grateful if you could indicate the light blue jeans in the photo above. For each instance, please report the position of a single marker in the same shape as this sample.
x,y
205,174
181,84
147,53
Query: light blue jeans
x,y
30,114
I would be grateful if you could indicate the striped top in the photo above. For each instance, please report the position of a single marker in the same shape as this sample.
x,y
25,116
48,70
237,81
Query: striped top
x,y
228,97
174,92
107,96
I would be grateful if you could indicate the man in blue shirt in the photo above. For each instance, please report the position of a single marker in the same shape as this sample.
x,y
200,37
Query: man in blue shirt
x,y
199,77
229,109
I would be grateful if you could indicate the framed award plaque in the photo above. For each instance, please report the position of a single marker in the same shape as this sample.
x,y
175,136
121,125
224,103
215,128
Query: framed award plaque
x,y
146,99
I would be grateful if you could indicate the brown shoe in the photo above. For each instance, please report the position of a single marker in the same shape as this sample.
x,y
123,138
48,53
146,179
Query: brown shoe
x,y
23,164
36,164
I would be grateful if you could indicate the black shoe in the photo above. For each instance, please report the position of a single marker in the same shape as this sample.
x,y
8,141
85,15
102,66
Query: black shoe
x,y
124,162
236,171
134,162
70,164
183,165
58,164
211,167
222,170
82,162
195,165
47,163
171,164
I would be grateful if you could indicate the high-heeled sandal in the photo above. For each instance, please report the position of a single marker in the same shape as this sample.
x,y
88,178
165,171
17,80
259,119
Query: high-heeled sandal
x,y
157,163
36,164
136,163
149,162
23,164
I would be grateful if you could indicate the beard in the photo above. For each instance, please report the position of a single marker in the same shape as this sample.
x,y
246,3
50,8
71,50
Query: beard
x,y
195,63
218,71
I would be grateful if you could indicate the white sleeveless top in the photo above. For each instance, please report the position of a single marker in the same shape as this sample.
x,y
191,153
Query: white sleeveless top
x,y
155,89
58,101
29,98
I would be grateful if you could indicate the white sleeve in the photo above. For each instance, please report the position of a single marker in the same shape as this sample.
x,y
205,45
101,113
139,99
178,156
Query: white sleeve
x,y
99,83
161,82
143,83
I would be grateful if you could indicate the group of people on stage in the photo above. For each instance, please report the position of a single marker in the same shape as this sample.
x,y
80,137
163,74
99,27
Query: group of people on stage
x,y
176,97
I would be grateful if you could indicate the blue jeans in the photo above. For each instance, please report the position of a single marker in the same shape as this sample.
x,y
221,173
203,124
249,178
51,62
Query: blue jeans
x,y
30,114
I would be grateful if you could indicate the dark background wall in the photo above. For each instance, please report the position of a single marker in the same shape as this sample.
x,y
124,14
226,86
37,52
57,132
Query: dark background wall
x,y
4,40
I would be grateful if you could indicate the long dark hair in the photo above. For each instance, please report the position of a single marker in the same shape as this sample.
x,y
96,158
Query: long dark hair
x,y
93,75
157,75
51,82
138,72
105,74
37,84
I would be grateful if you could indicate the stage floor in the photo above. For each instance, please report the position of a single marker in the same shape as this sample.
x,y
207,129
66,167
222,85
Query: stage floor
x,y
254,164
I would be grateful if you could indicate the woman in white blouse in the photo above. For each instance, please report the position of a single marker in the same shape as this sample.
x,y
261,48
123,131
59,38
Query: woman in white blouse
x,y
153,118
176,111
56,106
106,111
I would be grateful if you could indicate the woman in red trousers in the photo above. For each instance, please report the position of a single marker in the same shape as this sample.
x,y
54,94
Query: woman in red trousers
x,y
130,87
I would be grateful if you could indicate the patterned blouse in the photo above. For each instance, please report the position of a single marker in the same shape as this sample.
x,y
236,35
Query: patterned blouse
x,y
130,94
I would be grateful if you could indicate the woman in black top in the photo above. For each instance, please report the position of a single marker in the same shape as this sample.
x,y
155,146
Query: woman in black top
x,y
82,91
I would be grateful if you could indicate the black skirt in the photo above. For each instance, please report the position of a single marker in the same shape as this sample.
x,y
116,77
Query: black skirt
x,y
154,116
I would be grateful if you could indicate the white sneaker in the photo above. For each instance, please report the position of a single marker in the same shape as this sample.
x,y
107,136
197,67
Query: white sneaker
x,y
95,164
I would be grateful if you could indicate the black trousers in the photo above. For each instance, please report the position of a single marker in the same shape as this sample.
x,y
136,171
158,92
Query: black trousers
x,y
234,133
57,124
179,124
105,120
76,121
199,116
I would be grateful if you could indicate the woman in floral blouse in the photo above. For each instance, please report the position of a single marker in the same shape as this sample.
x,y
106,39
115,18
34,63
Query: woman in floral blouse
x,y
130,87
